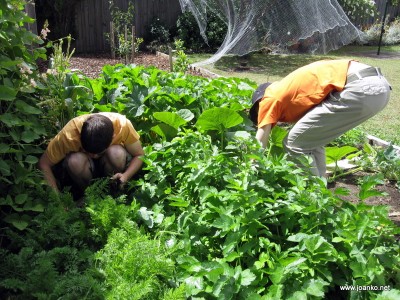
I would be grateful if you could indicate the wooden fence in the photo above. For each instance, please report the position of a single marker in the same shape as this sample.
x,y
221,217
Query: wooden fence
x,y
31,12
93,20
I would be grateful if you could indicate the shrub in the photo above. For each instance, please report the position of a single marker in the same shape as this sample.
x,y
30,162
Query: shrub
x,y
188,31
391,34
20,125
159,36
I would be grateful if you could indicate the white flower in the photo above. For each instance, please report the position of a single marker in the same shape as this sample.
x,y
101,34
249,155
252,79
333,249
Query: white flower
x,y
44,33
33,83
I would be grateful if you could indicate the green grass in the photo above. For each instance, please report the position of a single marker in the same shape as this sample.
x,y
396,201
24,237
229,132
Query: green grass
x,y
262,67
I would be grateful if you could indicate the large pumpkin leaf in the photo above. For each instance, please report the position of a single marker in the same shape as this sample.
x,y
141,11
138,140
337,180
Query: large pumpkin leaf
x,y
219,118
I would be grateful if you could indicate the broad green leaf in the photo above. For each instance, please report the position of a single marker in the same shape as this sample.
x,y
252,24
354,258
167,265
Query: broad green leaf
x,y
341,191
19,221
393,294
7,63
4,168
147,216
4,148
30,159
333,154
34,207
277,136
29,136
293,262
367,187
10,119
195,282
178,201
26,108
103,107
219,118
297,237
232,256
246,277
315,287
7,93
173,119
240,135
213,270
185,114
166,131
299,295
21,198
277,275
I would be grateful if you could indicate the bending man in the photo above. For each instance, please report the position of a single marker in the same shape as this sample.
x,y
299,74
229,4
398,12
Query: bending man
x,y
324,99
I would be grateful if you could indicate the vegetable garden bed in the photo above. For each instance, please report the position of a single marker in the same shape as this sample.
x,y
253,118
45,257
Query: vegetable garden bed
x,y
211,216
91,66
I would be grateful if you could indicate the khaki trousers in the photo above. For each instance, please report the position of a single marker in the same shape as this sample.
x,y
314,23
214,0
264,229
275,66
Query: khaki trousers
x,y
339,112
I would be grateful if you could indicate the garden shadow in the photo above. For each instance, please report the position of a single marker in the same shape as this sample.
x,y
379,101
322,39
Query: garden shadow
x,y
262,63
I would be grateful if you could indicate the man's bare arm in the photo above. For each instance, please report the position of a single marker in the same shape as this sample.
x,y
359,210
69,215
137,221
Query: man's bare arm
x,y
262,135
45,166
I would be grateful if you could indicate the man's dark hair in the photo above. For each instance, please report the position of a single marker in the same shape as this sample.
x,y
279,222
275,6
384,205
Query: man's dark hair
x,y
97,132
257,96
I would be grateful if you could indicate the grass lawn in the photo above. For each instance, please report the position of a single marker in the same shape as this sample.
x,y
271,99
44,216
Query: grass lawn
x,y
261,67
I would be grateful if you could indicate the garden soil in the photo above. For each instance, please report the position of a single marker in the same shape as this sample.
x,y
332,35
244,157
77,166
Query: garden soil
x,y
91,66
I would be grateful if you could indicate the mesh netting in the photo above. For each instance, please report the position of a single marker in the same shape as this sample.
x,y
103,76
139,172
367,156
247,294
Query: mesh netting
x,y
281,26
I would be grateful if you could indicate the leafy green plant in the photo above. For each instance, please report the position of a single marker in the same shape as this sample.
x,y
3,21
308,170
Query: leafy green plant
x,y
385,161
159,36
51,258
188,31
358,8
260,228
143,93
367,186
134,266
181,63
335,154
354,137
20,125
218,119
60,59
391,34
122,23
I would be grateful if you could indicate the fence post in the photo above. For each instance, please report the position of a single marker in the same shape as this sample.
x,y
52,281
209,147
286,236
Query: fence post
x,y
126,41
112,40
383,27
133,44
171,66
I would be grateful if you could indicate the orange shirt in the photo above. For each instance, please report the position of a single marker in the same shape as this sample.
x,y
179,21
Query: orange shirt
x,y
292,97
69,138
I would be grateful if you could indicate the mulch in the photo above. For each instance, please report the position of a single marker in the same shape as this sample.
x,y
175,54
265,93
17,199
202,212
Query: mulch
x,y
91,64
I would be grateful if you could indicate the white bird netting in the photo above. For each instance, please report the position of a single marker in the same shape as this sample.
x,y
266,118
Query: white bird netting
x,y
309,26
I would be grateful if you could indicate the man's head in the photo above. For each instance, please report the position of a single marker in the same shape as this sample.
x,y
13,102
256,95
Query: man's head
x,y
97,133
257,96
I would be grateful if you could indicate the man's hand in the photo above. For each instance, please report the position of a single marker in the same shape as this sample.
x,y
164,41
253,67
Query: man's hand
x,y
262,135
119,180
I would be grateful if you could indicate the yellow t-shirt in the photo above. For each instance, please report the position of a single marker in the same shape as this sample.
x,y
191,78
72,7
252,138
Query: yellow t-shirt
x,y
292,97
69,138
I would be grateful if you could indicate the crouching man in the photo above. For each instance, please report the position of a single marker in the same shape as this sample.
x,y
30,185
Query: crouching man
x,y
92,146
